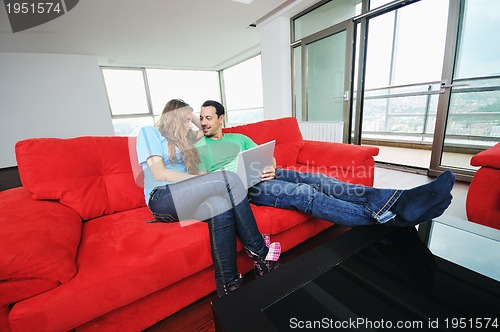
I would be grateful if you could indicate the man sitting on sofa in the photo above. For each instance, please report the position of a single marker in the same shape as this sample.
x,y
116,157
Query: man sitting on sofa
x,y
322,196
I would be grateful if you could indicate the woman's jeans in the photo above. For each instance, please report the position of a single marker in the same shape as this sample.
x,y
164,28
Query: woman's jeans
x,y
219,199
326,198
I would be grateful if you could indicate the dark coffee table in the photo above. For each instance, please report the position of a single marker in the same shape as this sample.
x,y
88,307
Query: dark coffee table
x,y
369,278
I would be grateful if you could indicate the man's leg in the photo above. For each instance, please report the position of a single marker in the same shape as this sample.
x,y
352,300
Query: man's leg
x,y
411,206
425,202
353,205
374,202
305,198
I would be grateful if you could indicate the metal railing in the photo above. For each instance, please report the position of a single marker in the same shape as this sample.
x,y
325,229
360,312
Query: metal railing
x,y
396,107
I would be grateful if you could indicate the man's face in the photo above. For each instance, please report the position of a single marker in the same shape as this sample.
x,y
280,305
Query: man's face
x,y
210,123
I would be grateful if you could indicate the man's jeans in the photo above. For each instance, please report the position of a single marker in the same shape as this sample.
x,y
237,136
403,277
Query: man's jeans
x,y
220,199
326,198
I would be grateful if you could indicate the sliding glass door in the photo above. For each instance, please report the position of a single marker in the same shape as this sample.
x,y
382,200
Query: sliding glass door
x,y
402,71
322,50
427,76
325,77
469,106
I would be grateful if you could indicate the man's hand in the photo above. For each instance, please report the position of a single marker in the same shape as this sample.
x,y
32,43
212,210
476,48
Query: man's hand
x,y
269,173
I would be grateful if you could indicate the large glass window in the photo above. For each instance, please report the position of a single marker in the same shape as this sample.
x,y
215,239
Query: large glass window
x,y
404,61
473,119
194,87
126,91
243,92
137,95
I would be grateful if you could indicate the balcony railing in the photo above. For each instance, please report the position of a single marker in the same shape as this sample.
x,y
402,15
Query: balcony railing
x,y
407,113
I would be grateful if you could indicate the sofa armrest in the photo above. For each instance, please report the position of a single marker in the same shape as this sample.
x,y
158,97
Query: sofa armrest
x,y
332,154
38,241
489,157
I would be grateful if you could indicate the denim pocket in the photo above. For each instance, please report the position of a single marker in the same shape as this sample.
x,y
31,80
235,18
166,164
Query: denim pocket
x,y
164,217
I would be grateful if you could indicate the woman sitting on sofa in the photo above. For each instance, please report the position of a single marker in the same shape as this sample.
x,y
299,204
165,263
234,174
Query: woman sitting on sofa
x,y
175,192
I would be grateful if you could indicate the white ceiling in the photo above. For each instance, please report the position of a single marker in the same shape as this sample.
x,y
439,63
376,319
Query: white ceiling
x,y
188,34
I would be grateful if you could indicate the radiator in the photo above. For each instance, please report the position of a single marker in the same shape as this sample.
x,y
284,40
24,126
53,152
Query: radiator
x,y
322,131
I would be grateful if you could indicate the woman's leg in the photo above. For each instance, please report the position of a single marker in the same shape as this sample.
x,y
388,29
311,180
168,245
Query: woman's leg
x,y
246,228
222,241
220,199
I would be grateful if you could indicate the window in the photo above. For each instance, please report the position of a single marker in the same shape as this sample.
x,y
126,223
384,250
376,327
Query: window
x,y
194,87
403,70
126,91
243,92
137,95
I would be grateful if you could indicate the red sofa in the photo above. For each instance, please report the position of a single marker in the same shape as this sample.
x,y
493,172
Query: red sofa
x,y
76,251
483,198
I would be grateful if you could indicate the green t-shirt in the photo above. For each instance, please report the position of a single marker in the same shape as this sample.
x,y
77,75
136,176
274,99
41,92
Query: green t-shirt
x,y
221,154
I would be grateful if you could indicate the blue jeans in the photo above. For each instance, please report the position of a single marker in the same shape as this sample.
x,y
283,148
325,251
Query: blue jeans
x,y
220,200
326,198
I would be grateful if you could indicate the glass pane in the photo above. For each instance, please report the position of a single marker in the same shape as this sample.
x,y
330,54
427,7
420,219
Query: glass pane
x,y
194,87
473,121
378,3
297,81
420,42
126,91
325,78
404,62
399,48
243,85
379,51
131,126
468,244
235,118
479,53
325,16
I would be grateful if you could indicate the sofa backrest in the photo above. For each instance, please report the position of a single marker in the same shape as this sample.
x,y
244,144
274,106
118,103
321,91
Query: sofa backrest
x,y
93,174
285,131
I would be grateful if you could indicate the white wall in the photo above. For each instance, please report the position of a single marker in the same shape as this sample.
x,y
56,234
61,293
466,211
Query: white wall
x,y
276,58
276,68
50,95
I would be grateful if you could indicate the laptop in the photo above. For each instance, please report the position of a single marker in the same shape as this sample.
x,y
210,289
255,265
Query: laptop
x,y
251,163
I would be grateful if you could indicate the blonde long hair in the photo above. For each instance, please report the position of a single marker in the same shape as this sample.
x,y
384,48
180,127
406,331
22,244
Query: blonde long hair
x,y
171,126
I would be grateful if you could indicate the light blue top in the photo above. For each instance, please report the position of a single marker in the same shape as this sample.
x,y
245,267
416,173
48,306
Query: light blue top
x,y
150,142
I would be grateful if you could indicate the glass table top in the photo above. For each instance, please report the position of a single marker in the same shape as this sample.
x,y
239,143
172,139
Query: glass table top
x,y
401,279
465,243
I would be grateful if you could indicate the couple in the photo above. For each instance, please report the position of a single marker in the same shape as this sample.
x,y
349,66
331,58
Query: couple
x,y
181,182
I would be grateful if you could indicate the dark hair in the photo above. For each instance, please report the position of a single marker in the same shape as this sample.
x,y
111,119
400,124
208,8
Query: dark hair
x,y
219,109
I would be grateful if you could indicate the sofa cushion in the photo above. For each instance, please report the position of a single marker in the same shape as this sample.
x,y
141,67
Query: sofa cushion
x,y
121,259
277,220
92,175
39,252
285,131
